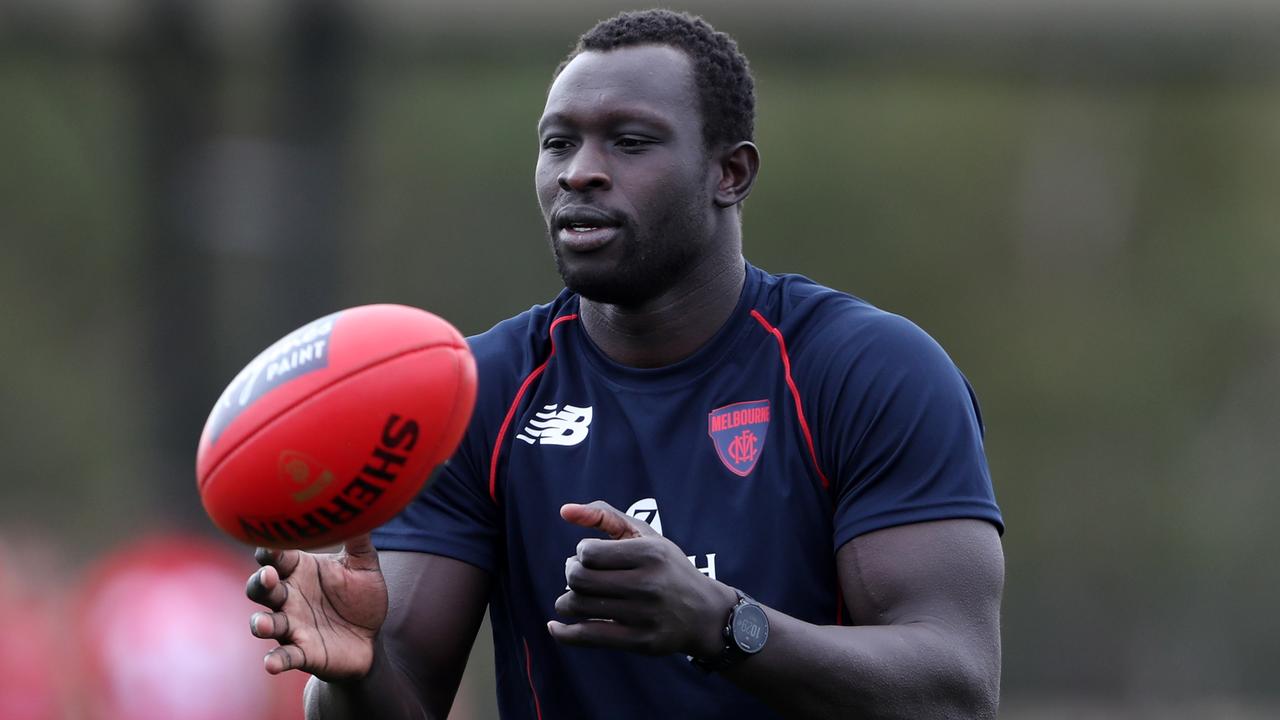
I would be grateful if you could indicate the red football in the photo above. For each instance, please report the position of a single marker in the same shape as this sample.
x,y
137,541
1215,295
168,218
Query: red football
x,y
333,429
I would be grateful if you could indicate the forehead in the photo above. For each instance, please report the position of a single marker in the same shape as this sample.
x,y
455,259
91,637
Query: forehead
x,y
645,79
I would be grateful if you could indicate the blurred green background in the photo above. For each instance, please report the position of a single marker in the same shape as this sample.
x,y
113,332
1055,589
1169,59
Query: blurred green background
x,y
1080,201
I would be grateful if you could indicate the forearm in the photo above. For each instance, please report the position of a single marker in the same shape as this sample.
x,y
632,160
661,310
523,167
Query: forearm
x,y
385,692
914,670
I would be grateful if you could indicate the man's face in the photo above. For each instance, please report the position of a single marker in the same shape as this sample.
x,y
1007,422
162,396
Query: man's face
x,y
623,175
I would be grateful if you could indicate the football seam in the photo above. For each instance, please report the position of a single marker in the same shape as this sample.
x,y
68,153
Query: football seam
x,y
203,482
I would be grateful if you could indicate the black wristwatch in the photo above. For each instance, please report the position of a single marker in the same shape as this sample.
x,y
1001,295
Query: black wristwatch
x,y
745,633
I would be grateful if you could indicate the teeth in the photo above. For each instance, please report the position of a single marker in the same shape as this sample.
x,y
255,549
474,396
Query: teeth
x,y
576,227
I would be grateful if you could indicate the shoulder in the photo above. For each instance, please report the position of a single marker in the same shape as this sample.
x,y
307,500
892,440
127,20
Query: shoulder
x,y
508,352
830,332
896,426
506,355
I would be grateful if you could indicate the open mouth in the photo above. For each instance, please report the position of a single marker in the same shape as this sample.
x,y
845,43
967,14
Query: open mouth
x,y
584,228
583,237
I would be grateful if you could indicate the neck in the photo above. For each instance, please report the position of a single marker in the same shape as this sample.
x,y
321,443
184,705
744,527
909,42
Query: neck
x,y
671,326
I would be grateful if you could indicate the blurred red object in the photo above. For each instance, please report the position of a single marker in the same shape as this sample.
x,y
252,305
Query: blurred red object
x,y
32,679
164,627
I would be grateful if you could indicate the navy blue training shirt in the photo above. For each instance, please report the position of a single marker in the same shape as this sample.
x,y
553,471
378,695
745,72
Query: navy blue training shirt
x,y
811,417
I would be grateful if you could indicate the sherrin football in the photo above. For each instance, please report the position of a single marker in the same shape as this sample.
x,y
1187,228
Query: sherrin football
x,y
334,429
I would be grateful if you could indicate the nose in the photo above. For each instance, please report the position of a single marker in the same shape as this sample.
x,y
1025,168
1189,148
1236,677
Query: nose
x,y
586,171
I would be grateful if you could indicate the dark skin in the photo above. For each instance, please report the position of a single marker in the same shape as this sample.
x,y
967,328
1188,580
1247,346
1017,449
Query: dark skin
x,y
619,138
613,138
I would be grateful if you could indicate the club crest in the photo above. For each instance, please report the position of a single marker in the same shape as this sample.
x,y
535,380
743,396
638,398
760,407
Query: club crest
x,y
738,431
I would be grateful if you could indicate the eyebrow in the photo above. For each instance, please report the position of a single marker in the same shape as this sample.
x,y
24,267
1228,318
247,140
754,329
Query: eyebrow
x,y
616,116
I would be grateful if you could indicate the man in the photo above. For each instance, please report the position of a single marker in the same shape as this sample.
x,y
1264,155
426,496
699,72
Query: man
x,y
809,526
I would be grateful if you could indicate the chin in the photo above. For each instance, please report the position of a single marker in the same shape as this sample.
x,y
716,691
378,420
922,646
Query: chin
x,y
607,288
626,277
596,278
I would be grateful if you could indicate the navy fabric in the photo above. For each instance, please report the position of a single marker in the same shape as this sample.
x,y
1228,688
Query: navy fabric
x,y
893,425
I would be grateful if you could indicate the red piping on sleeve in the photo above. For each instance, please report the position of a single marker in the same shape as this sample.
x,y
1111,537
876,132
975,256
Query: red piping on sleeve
x,y
511,411
528,668
795,393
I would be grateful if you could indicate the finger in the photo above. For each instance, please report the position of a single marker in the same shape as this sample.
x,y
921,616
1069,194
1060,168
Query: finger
x,y
285,561
285,657
602,516
618,554
604,583
591,607
596,633
269,626
264,587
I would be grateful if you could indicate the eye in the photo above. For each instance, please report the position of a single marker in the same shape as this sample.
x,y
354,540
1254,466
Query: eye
x,y
631,143
556,144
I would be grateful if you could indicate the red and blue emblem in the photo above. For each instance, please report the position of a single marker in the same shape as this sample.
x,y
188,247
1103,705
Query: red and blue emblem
x,y
738,432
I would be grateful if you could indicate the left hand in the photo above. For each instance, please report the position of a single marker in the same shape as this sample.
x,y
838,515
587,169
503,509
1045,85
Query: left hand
x,y
637,591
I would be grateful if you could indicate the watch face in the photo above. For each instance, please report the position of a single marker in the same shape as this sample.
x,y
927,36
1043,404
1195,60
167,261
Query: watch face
x,y
750,628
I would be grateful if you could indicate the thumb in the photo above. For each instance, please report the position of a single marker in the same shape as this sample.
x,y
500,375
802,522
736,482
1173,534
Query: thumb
x,y
604,517
360,553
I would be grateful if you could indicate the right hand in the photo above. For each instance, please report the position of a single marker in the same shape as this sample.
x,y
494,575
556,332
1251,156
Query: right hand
x,y
326,609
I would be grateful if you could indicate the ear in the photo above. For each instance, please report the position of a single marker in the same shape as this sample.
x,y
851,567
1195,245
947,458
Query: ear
x,y
738,167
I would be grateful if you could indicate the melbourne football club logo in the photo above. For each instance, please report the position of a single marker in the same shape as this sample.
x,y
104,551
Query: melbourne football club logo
x,y
738,432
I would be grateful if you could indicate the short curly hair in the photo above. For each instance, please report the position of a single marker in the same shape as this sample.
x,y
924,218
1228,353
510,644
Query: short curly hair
x,y
726,90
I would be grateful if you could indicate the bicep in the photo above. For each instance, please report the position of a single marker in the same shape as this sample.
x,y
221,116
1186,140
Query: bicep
x,y
948,573
435,605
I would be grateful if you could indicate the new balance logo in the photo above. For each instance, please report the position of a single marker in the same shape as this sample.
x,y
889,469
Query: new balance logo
x,y
553,426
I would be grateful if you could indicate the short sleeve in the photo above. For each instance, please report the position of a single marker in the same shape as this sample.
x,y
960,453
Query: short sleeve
x,y
453,516
901,430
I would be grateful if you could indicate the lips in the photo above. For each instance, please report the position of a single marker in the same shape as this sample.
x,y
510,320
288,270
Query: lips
x,y
582,228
